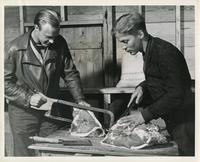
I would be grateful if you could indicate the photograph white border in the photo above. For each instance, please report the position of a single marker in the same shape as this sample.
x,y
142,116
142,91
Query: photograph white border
x,y
196,3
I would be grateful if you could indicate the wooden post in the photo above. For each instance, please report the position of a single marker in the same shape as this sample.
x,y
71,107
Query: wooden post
x,y
62,13
182,29
105,44
21,19
107,102
141,10
66,13
178,27
109,52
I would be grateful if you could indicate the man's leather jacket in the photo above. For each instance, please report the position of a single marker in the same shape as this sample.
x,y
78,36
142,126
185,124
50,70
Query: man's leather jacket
x,y
25,75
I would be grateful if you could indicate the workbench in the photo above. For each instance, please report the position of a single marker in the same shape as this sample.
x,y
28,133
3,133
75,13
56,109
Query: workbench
x,y
106,92
97,149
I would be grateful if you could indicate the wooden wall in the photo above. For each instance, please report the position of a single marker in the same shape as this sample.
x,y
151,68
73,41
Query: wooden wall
x,y
86,42
161,23
87,53
12,25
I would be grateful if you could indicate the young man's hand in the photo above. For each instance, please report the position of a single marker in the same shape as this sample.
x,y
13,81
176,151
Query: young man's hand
x,y
135,118
137,96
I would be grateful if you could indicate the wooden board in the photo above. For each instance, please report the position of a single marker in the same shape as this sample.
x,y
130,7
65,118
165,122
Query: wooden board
x,y
30,11
83,37
166,13
188,34
86,49
100,149
90,65
84,10
189,53
8,136
12,29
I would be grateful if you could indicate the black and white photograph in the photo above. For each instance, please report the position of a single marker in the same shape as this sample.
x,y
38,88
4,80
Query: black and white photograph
x,y
99,80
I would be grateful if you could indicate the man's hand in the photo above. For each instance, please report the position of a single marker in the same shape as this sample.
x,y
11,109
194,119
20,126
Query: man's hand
x,y
37,100
137,96
135,118
84,103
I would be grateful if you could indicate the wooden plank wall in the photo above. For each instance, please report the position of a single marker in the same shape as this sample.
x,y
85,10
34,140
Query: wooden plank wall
x,y
161,23
30,11
12,24
158,18
85,44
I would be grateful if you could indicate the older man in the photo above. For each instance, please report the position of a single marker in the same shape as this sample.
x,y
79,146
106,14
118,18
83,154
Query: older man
x,y
34,63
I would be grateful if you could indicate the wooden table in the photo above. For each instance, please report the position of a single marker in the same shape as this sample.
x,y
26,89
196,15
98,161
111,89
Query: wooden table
x,y
107,92
97,149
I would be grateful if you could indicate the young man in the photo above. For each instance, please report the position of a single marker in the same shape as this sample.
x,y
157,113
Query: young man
x,y
166,90
34,63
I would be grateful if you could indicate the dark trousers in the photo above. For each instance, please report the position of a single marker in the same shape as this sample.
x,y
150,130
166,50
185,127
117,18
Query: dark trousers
x,y
181,130
183,135
25,123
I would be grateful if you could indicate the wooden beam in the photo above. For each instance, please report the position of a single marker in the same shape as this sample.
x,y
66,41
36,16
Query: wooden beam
x,y
141,10
105,45
83,22
182,36
21,19
178,27
109,46
179,39
66,13
75,23
62,13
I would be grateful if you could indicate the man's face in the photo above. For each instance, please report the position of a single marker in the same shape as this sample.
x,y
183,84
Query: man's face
x,y
131,43
46,34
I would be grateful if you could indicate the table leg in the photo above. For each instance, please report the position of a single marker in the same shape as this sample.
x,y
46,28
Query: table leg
x,y
107,102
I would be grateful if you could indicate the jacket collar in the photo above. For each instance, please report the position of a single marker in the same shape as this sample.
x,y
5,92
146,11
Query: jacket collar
x,y
146,55
22,43
149,44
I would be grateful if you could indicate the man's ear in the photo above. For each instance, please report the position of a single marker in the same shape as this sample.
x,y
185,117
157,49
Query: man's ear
x,y
140,34
36,27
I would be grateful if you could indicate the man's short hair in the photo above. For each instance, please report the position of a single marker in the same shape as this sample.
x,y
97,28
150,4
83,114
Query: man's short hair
x,y
129,24
47,16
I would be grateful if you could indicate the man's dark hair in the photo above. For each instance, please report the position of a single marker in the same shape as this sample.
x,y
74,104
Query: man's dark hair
x,y
129,24
47,16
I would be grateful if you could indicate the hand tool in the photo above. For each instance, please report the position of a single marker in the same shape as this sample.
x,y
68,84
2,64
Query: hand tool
x,y
50,102
69,142
133,105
